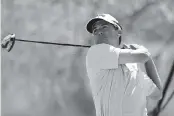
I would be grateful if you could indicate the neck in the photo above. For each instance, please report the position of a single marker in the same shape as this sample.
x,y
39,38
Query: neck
x,y
110,41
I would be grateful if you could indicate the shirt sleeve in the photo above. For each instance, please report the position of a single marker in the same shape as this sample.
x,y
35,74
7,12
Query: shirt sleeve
x,y
103,56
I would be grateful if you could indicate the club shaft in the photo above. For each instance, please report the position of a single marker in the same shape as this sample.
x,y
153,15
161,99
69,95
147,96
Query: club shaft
x,y
42,42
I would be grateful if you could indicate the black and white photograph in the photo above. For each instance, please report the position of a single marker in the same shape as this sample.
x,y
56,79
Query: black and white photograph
x,y
87,58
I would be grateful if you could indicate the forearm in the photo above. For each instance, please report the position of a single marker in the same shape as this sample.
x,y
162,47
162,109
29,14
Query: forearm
x,y
153,73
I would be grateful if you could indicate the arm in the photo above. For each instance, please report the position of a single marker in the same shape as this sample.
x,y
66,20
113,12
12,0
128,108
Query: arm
x,y
153,73
133,56
105,56
154,76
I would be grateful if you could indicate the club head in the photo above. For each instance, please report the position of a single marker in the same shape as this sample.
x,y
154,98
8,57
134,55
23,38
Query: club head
x,y
8,42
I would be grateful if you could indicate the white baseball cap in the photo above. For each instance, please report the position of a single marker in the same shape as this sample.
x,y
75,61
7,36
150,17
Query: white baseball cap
x,y
105,17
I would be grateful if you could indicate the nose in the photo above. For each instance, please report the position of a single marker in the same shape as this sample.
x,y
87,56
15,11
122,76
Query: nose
x,y
100,33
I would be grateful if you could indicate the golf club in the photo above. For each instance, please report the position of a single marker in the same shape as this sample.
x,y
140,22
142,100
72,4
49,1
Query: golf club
x,y
9,41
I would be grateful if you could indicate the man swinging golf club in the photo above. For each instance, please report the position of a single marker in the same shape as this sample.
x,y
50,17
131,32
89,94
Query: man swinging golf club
x,y
119,87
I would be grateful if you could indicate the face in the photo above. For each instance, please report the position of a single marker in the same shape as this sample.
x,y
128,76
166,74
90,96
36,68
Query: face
x,y
105,32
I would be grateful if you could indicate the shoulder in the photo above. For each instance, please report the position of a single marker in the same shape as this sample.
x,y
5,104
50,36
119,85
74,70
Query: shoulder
x,y
104,51
103,56
101,48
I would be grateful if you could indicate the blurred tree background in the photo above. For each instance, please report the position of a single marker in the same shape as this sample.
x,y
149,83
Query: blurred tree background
x,y
46,80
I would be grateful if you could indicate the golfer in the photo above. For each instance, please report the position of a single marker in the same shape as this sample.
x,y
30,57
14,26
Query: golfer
x,y
119,86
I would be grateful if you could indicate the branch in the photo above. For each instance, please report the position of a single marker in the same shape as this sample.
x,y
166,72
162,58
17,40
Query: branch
x,y
157,109
168,100
163,48
137,13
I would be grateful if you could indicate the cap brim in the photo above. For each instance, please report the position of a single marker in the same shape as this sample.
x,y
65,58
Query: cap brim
x,y
90,23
